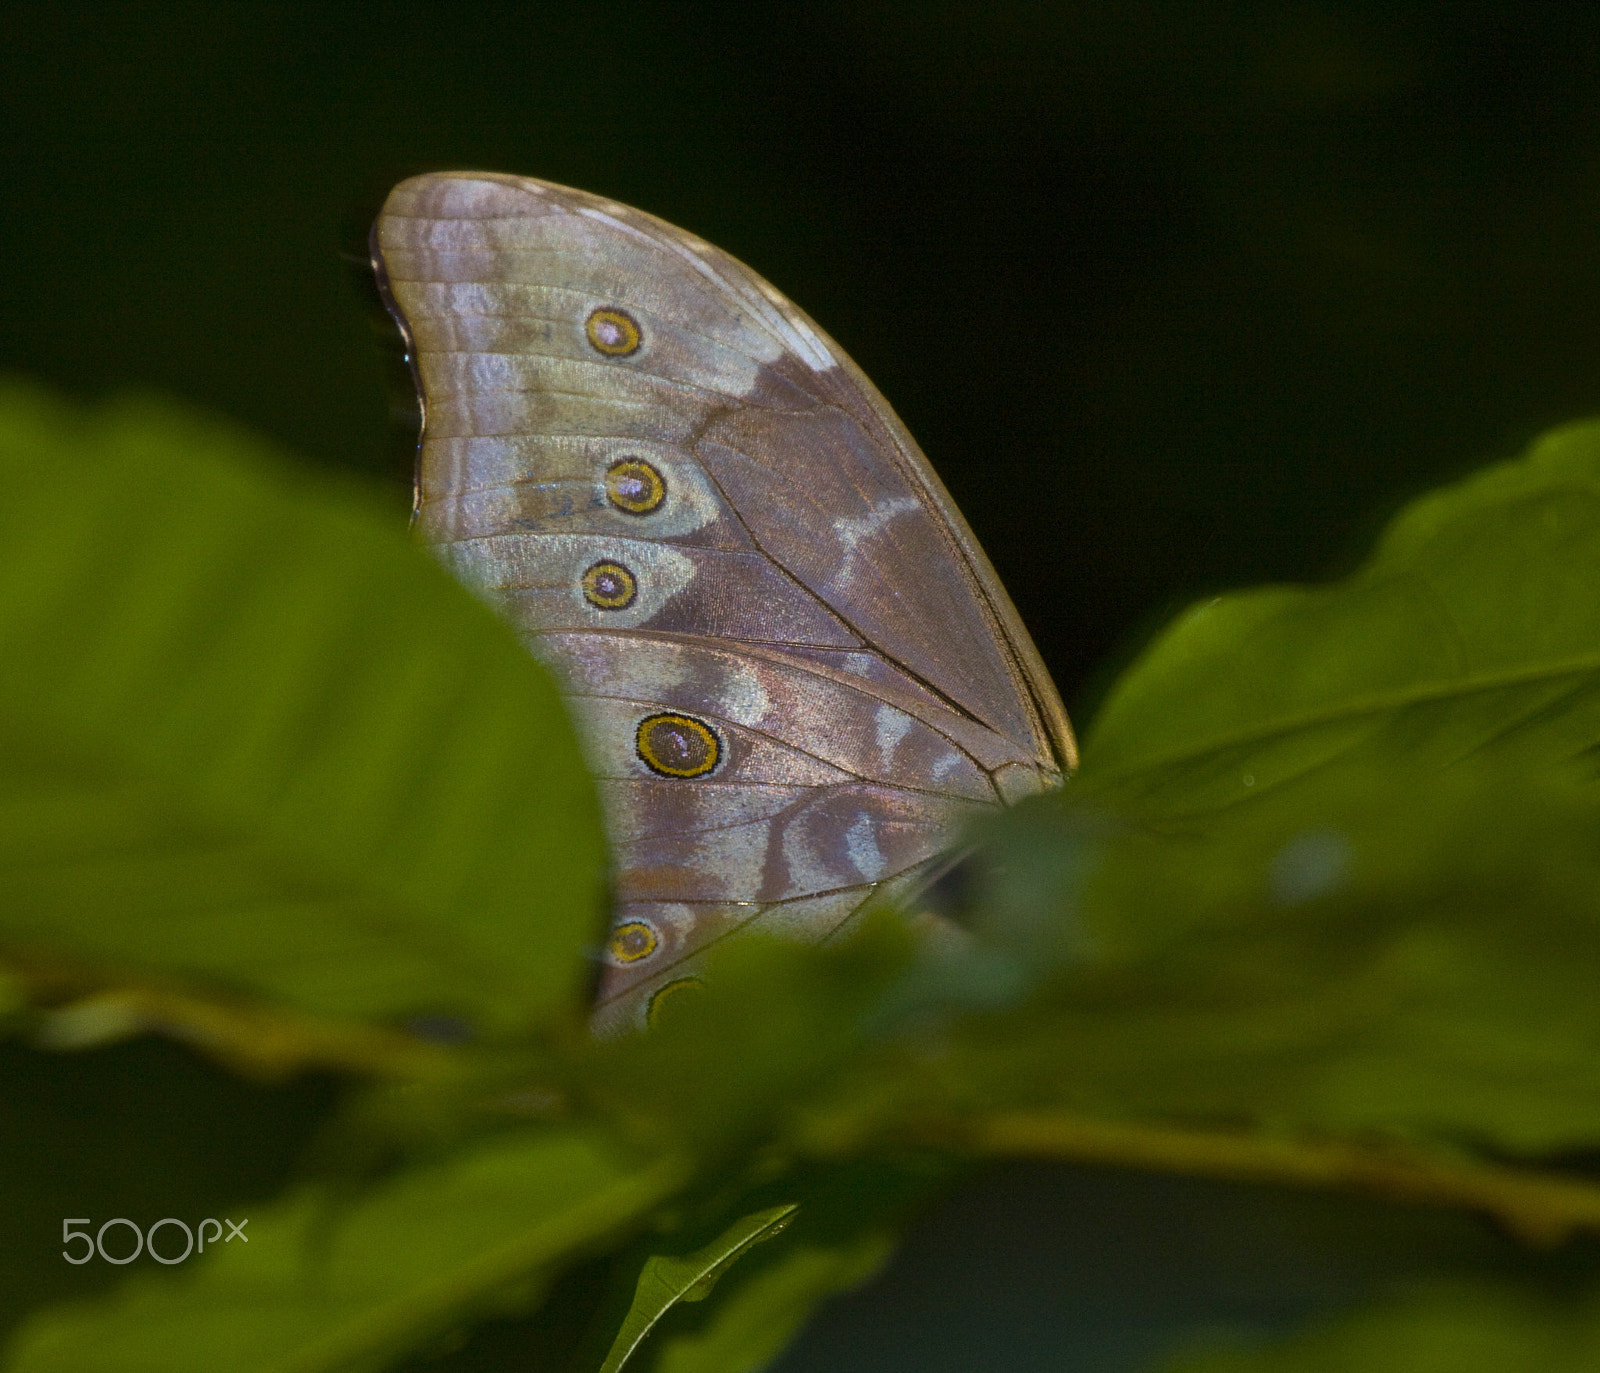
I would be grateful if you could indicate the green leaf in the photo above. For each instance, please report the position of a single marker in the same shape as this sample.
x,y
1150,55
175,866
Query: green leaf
x,y
844,1232
1461,1328
1356,957
1329,864
315,1289
773,1021
666,1281
758,1321
1392,934
1472,628
254,739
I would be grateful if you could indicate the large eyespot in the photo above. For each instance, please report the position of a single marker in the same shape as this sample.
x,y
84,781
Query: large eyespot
x,y
677,745
633,940
674,994
613,332
610,586
632,485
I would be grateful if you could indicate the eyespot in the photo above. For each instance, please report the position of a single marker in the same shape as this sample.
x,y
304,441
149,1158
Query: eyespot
x,y
633,486
677,745
610,586
674,993
633,940
613,332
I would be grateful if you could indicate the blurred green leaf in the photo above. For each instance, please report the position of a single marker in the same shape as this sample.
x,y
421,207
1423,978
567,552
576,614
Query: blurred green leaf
x,y
773,1023
665,1280
1413,960
252,737
315,1288
1465,1328
1329,864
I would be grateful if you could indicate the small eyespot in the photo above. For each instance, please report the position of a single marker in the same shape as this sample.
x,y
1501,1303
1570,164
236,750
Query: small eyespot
x,y
609,586
613,332
674,994
677,745
633,940
633,486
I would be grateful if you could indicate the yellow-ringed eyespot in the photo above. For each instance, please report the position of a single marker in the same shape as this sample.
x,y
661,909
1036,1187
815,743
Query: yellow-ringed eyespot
x,y
677,745
633,940
633,486
673,994
610,586
613,332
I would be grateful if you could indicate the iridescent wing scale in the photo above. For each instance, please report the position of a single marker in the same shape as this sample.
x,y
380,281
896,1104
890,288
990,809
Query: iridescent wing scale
x,y
795,670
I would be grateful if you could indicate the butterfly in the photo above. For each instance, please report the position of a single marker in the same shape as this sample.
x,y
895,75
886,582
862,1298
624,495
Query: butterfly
x,y
794,670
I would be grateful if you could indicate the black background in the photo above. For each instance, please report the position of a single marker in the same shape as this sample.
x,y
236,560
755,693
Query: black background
x,y
1177,297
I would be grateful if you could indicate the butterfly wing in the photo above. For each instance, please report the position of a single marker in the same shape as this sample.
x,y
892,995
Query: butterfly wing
x,y
795,669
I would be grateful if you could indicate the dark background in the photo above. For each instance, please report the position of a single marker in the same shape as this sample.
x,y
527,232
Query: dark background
x,y
1176,296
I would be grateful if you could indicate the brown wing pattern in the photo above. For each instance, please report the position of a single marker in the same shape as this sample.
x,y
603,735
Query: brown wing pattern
x,y
794,668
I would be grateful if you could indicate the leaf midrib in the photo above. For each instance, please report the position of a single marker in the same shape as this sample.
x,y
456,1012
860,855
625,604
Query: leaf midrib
x,y
1353,709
